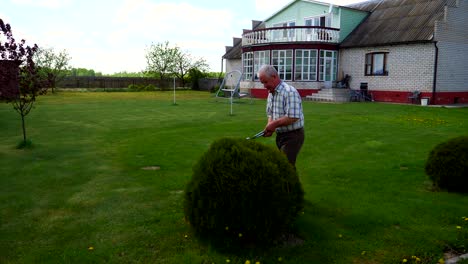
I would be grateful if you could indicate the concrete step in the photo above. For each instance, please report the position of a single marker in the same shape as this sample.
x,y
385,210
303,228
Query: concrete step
x,y
330,95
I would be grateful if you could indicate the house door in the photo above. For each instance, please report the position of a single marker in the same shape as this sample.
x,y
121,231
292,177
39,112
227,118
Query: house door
x,y
328,72
328,66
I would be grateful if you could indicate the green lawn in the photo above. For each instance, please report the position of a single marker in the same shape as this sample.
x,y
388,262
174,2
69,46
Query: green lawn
x,y
80,194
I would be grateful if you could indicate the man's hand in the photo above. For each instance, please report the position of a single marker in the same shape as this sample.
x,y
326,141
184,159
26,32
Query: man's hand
x,y
268,133
273,124
269,129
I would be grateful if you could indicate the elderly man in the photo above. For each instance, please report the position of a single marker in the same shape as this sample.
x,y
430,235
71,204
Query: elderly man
x,y
284,111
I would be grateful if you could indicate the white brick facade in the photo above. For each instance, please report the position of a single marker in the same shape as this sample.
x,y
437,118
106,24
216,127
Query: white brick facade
x,y
233,65
452,40
410,67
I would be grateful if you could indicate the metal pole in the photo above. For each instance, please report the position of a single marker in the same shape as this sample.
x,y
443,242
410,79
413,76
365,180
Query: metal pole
x,y
174,91
231,102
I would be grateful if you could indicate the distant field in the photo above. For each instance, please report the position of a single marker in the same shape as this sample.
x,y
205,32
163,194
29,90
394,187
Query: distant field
x,y
82,193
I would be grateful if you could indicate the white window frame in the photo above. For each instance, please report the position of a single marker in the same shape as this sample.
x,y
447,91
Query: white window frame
x,y
247,65
334,64
283,34
261,57
282,60
316,20
305,66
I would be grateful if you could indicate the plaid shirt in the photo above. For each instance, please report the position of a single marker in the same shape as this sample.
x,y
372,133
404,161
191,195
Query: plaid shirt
x,y
285,101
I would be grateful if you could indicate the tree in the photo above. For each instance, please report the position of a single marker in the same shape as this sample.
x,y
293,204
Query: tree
x,y
185,63
128,74
161,59
54,65
82,72
30,81
194,75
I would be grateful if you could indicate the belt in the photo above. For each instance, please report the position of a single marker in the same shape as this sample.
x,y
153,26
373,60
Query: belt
x,y
291,131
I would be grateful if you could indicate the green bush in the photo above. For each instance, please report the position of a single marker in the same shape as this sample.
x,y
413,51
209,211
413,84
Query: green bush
x,y
242,191
150,87
447,165
134,87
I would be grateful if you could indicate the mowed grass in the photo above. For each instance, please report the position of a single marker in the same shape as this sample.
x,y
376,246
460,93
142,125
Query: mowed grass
x,y
82,195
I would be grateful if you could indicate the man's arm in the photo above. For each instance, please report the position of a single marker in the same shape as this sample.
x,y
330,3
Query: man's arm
x,y
273,124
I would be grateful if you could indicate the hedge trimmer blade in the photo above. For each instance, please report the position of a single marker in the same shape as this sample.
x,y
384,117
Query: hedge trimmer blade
x,y
259,134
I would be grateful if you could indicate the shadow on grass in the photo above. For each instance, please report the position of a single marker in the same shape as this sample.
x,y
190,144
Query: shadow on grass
x,y
25,144
307,240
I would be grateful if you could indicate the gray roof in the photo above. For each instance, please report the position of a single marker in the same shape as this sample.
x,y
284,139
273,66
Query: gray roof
x,y
234,51
396,21
389,22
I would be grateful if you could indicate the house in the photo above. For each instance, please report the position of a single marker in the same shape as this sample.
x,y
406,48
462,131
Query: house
x,y
390,47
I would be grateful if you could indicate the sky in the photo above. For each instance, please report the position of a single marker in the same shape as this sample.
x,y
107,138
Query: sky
x,y
111,36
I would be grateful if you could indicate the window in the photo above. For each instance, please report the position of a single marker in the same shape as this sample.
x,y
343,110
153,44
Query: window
x,y
260,58
282,61
319,21
248,65
281,34
328,65
376,64
306,65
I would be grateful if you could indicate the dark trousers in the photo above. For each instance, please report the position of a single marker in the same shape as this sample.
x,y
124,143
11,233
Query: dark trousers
x,y
290,143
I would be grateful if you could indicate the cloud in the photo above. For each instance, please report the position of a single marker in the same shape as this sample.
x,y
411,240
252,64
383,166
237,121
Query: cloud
x,y
197,30
178,19
110,61
43,3
128,8
267,8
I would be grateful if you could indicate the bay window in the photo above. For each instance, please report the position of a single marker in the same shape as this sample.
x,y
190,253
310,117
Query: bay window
x,y
305,65
282,61
260,58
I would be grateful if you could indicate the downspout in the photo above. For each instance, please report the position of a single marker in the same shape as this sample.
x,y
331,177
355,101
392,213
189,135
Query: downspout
x,y
434,83
221,73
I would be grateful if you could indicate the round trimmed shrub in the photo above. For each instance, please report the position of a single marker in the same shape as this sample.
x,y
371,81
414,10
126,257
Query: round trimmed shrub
x,y
447,165
242,190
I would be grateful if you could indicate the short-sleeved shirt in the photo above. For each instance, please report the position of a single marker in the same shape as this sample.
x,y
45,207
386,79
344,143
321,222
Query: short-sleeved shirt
x,y
285,101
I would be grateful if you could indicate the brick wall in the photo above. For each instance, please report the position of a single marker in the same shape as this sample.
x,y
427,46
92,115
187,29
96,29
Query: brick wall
x,y
410,67
452,39
233,64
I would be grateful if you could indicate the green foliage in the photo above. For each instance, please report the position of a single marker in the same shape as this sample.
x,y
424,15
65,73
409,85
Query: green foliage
x,y
242,191
194,75
161,59
83,72
53,64
129,74
447,165
218,75
142,87
164,61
